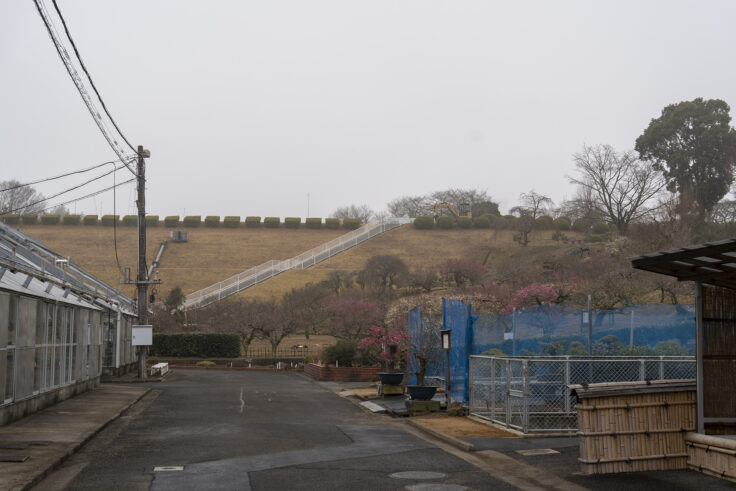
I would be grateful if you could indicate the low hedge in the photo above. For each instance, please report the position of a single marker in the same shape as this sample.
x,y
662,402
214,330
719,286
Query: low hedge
x,y
445,223
50,219
600,228
90,219
151,220
332,223
351,223
199,345
544,222
29,219
464,222
313,223
171,221
12,219
292,222
231,222
482,222
272,222
109,220
192,221
72,220
563,224
212,221
252,222
130,220
424,223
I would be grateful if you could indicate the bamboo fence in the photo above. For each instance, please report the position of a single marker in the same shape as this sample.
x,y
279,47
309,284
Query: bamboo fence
x,y
634,426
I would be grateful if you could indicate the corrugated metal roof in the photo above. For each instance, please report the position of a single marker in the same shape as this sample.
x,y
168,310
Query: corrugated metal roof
x,y
28,267
713,263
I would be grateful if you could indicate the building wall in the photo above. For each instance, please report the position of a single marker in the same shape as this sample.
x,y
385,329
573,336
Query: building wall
x,y
48,351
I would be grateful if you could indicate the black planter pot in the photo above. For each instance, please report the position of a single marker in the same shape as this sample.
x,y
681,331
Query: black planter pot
x,y
421,392
390,378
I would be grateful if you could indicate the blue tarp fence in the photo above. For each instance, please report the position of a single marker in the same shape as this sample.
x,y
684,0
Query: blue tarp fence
x,y
534,331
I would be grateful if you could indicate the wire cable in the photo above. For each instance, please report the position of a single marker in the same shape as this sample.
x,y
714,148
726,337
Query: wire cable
x,y
113,187
61,192
66,60
89,77
81,171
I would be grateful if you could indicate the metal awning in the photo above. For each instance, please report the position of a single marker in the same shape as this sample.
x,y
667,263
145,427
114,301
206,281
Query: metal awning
x,y
713,263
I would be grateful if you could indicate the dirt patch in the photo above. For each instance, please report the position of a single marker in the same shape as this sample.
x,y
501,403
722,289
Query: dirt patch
x,y
462,427
365,392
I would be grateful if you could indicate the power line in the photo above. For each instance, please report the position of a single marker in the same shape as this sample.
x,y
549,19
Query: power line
x,y
61,192
81,171
89,77
66,59
89,195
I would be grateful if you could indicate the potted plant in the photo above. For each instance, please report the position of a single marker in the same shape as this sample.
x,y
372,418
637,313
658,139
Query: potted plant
x,y
424,349
390,346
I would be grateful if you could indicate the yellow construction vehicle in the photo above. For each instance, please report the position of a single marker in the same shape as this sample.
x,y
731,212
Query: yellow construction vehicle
x,y
464,210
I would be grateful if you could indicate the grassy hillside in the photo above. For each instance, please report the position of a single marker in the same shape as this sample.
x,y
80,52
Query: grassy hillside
x,y
213,254
427,248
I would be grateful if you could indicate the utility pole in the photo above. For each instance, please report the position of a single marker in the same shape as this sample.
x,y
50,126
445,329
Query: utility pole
x,y
142,278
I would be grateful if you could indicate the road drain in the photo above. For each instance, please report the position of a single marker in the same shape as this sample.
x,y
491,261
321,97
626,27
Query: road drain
x,y
13,458
417,475
436,487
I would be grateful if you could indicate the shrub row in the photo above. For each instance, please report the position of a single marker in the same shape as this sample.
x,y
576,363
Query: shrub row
x,y
493,221
198,345
11,219
196,221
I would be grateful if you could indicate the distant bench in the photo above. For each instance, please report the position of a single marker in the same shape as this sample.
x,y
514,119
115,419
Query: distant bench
x,y
160,369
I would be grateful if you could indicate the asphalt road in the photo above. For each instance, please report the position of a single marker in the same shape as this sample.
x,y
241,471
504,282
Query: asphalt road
x,y
261,431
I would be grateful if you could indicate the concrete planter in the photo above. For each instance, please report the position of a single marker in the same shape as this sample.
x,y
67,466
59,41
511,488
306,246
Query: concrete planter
x,y
421,392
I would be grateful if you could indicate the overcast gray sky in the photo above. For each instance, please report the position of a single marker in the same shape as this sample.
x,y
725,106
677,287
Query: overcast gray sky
x,y
247,106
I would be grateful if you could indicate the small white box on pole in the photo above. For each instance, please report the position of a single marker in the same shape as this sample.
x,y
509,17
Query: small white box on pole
x,y
508,335
142,335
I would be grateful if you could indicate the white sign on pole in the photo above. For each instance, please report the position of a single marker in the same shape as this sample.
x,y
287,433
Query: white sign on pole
x,y
142,335
508,335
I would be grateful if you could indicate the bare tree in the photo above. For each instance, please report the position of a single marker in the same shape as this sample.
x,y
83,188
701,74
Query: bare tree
x,y
415,206
533,205
458,196
279,324
16,198
621,187
306,305
411,206
250,319
384,272
723,212
363,212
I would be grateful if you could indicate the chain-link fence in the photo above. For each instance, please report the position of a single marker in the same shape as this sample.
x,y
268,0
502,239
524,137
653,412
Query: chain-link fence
x,y
531,394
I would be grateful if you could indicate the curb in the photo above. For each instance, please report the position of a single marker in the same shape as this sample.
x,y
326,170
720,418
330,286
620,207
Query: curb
x,y
455,442
62,458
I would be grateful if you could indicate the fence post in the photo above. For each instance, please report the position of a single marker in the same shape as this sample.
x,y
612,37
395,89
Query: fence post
x,y
508,393
642,370
470,383
661,367
567,383
525,392
492,394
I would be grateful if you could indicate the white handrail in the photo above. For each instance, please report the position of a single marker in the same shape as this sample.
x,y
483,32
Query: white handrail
x,y
253,276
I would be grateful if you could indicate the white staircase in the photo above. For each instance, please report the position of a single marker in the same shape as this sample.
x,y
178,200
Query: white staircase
x,y
269,269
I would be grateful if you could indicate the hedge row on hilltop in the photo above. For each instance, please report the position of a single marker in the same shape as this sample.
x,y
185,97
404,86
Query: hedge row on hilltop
x,y
509,222
191,221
